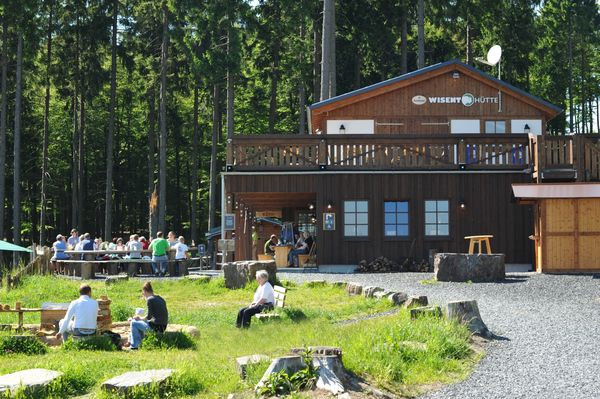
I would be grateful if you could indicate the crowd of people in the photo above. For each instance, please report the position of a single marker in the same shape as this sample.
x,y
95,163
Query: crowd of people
x,y
118,249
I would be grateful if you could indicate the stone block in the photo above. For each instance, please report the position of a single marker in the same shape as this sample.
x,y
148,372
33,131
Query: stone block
x,y
354,288
368,292
116,279
380,294
463,267
243,362
397,298
291,364
430,311
32,381
416,301
125,383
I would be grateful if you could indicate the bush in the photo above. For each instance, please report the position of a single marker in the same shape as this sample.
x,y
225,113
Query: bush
x,y
280,383
120,312
168,340
93,343
26,344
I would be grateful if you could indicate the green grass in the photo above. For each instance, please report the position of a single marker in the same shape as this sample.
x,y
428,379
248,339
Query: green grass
x,y
372,348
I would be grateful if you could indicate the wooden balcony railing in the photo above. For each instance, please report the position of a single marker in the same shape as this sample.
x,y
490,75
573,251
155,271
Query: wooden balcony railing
x,y
575,157
377,152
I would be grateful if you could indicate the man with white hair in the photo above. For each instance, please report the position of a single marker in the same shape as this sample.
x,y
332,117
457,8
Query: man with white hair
x,y
264,298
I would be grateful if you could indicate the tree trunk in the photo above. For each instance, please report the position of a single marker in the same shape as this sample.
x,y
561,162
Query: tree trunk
x,y
467,312
332,66
357,68
301,89
212,195
46,133
75,163
3,122
583,108
404,39
421,34
326,49
469,51
162,172
230,84
111,129
598,115
194,178
81,160
570,67
317,57
17,144
152,211
274,83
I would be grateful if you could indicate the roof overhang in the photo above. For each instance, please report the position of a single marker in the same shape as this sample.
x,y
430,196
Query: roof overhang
x,y
533,191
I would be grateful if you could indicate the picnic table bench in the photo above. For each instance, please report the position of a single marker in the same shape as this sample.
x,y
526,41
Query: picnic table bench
x,y
86,269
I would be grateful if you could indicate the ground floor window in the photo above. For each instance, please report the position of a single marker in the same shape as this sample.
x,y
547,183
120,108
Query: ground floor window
x,y
356,218
396,218
437,218
307,222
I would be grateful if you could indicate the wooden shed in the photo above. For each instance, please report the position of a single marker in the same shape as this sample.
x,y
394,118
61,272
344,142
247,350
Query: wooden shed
x,y
566,225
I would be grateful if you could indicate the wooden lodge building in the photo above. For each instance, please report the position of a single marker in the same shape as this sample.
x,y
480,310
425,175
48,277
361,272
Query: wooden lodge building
x,y
404,167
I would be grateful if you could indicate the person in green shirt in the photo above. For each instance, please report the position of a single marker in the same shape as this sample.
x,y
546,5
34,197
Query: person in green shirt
x,y
159,247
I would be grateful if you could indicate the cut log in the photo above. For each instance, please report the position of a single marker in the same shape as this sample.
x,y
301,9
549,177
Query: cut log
x,y
354,288
467,312
368,292
416,301
291,364
397,298
331,373
243,362
428,311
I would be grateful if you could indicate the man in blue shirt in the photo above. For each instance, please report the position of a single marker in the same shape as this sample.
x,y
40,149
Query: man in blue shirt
x,y
74,239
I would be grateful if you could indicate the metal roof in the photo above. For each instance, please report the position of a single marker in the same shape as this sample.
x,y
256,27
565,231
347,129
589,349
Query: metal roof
x,y
556,190
429,69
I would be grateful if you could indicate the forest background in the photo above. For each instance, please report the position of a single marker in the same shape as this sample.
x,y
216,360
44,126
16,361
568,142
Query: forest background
x,y
114,114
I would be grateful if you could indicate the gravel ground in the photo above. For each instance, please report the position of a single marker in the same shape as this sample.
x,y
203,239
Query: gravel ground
x,y
551,322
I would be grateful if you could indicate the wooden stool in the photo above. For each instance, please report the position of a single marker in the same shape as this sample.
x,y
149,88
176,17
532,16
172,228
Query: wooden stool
x,y
479,240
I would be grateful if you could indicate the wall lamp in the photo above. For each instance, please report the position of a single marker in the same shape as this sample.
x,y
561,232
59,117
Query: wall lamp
x,y
455,75
329,205
462,205
342,129
462,166
311,206
526,129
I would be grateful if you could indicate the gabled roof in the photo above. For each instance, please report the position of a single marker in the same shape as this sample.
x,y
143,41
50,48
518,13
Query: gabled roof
x,y
380,87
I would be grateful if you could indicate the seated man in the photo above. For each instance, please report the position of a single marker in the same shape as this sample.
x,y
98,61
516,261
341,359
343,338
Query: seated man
x,y
301,247
264,298
135,247
81,317
157,317
270,245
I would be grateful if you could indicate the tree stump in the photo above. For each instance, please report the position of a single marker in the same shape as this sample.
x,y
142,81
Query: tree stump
x,y
467,312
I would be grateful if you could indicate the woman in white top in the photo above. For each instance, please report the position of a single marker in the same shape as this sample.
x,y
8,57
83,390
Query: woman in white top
x,y
181,253
264,297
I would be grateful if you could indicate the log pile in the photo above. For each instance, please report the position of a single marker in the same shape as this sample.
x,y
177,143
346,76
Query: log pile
x,y
382,264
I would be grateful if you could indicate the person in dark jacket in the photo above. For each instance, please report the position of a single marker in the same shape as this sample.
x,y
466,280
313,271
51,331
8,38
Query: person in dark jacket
x,y
157,317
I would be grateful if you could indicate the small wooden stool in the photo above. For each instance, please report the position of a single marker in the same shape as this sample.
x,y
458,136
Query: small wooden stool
x,y
479,240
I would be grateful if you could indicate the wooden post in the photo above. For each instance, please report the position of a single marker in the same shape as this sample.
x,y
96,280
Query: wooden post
x,y
230,158
540,156
462,151
578,146
322,152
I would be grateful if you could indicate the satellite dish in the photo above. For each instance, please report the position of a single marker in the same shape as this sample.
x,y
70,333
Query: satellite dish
x,y
494,54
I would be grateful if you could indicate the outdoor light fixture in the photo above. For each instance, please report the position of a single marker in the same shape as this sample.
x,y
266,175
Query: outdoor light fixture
x,y
311,206
526,129
322,167
342,129
455,75
462,166
329,205
462,205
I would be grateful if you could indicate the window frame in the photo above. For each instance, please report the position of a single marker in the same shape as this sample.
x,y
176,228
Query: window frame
x,y
437,236
408,213
495,122
356,237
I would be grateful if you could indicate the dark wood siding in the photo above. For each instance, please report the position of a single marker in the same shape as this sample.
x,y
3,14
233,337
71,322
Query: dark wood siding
x,y
489,210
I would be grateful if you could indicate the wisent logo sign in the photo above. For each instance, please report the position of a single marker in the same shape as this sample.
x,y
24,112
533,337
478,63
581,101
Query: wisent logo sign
x,y
466,99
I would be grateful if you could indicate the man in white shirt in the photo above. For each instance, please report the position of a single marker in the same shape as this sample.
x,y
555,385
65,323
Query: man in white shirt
x,y
135,247
264,298
180,253
81,317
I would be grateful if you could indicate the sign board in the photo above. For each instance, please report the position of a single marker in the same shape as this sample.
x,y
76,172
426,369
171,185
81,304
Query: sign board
x,y
269,214
201,249
329,221
229,221
226,245
467,99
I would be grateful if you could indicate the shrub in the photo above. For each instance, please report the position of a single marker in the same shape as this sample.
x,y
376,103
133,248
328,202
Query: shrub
x,y
280,383
294,314
26,344
93,343
120,312
167,340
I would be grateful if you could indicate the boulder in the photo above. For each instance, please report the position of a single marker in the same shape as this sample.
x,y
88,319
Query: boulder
x,y
368,292
431,311
32,381
238,274
380,294
467,312
243,362
124,384
115,279
330,373
397,298
354,288
462,267
291,364
416,301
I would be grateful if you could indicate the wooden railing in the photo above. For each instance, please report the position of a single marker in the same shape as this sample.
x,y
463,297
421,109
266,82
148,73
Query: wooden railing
x,y
579,154
377,152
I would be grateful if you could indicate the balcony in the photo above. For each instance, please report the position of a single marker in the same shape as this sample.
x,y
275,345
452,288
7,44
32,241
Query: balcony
x,y
378,152
565,158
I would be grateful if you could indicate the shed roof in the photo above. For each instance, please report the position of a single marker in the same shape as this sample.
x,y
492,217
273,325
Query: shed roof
x,y
556,190
376,88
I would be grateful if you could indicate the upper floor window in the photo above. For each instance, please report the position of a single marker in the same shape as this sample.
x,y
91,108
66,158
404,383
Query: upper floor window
x,y
495,127
356,218
396,218
437,218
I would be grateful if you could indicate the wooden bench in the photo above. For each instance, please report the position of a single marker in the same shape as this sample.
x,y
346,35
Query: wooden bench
x,y
310,259
265,257
279,293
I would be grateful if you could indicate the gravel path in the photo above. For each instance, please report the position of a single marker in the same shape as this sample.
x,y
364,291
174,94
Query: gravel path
x,y
552,324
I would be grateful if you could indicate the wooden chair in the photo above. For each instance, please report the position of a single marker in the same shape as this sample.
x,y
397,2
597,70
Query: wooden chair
x,y
310,259
280,294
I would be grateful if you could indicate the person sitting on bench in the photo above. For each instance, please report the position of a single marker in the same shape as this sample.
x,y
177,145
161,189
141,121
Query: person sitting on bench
x,y
301,248
157,317
270,245
264,298
82,316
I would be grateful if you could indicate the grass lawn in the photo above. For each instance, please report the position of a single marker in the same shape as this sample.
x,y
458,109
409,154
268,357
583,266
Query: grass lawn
x,y
372,348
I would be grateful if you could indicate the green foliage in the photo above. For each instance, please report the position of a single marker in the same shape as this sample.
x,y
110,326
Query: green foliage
x,y
167,340
121,312
19,344
93,343
280,383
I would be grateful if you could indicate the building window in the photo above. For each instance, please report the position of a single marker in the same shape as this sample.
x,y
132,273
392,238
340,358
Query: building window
x,y
495,127
436,218
307,222
396,218
356,218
